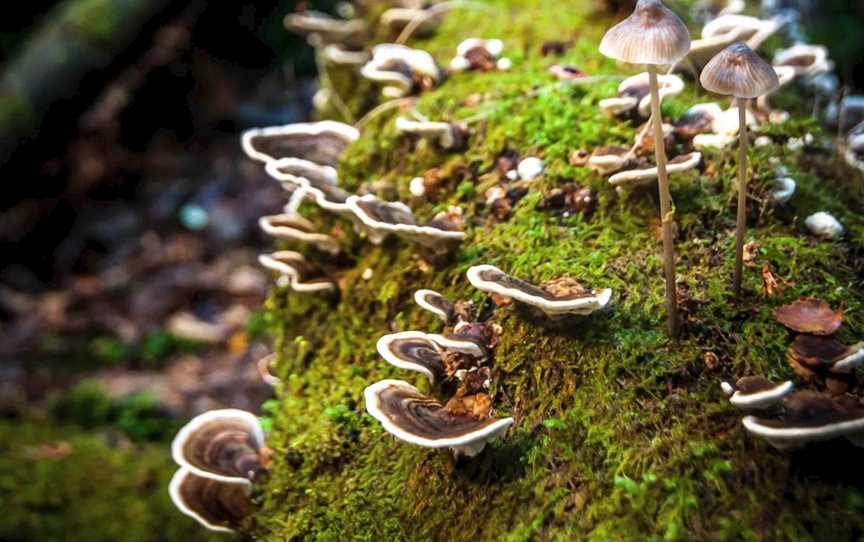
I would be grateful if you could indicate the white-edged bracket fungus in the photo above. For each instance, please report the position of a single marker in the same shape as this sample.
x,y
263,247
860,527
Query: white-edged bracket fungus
x,y
224,445
437,304
326,29
654,36
414,351
297,272
480,54
820,354
739,72
637,177
319,142
218,506
783,189
756,392
609,159
446,135
397,18
296,228
805,59
440,234
469,338
415,418
342,56
635,93
811,417
402,70
699,119
824,225
555,299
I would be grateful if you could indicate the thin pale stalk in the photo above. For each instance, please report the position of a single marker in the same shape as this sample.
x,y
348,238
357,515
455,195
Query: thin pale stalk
x,y
741,223
667,215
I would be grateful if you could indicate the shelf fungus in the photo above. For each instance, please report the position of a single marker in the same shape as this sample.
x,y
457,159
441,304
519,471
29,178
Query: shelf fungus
x,y
441,233
480,55
638,177
218,506
744,28
808,315
223,445
414,351
319,142
699,119
397,18
555,299
401,70
322,29
811,354
295,271
783,189
437,304
296,228
609,159
470,338
341,55
445,135
418,419
811,417
756,392
805,59
634,93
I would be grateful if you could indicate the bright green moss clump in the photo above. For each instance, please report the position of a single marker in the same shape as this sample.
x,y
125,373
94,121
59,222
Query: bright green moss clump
x,y
619,434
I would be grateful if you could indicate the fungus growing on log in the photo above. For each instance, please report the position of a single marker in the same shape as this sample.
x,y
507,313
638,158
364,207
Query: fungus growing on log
x,y
808,315
401,70
319,142
297,272
414,351
344,56
699,119
635,93
756,392
441,233
479,54
804,59
554,299
223,445
636,177
609,159
446,135
824,353
415,418
218,506
296,228
326,29
437,304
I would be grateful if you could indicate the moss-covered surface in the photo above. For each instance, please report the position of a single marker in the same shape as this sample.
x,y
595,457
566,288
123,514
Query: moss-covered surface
x,y
620,434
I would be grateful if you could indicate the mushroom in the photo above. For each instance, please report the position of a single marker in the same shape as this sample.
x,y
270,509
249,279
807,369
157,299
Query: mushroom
x,y
326,29
343,56
402,70
747,29
823,224
414,351
740,72
554,299
472,339
713,141
218,506
699,119
479,54
811,417
635,93
297,272
654,35
223,445
446,135
756,392
413,417
437,304
804,59
784,189
809,315
319,142
609,159
440,233
636,177
817,353
297,228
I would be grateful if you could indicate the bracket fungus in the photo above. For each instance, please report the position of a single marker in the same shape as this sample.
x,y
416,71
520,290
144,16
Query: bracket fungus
x,y
296,228
825,225
295,271
319,142
446,135
756,392
344,56
609,159
440,233
402,70
481,55
808,315
818,354
804,59
747,29
637,177
555,299
438,305
415,418
218,506
635,93
414,351
324,29
223,445
653,35
472,339
699,119
396,19
811,417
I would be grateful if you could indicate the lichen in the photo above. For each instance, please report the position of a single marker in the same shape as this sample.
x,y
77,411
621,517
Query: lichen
x,y
620,434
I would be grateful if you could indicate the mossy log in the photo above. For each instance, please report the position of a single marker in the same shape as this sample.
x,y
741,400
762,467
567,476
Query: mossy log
x,y
78,39
620,433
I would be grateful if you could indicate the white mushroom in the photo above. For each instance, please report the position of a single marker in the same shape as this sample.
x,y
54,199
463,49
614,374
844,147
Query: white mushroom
x,y
824,225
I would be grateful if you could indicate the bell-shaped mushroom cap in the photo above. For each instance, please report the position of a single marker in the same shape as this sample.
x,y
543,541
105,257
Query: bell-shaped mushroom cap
x,y
652,34
301,275
221,445
738,71
320,142
218,506
297,228
413,417
572,301
825,353
757,392
811,417
414,351
809,315
437,304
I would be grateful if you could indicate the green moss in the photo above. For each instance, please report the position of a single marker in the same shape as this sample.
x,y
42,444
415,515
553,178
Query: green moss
x,y
619,433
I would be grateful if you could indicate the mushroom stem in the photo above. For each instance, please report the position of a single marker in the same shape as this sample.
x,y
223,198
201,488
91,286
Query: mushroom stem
x,y
741,223
667,214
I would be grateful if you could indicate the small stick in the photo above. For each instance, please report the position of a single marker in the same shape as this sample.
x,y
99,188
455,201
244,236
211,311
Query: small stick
x,y
741,223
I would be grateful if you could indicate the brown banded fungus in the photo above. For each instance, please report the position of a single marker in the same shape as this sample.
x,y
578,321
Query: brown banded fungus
x,y
446,135
481,55
820,354
398,18
811,417
555,299
634,93
414,351
296,228
804,59
637,177
223,445
809,315
401,70
295,271
756,392
319,142
749,30
340,55
699,119
609,159
218,506
471,339
415,418
438,305
441,233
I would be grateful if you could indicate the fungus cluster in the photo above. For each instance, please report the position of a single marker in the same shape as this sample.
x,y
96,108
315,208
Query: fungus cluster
x,y
220,453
